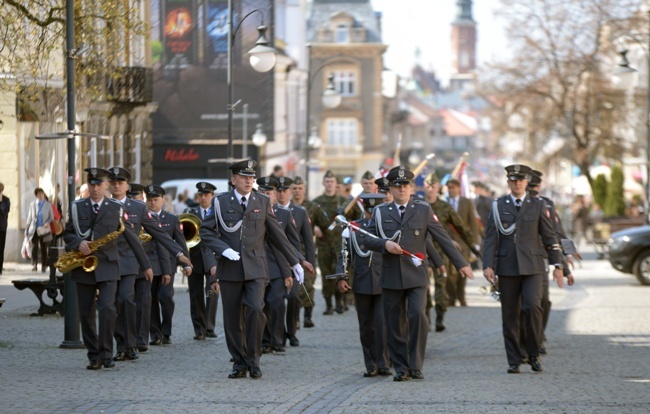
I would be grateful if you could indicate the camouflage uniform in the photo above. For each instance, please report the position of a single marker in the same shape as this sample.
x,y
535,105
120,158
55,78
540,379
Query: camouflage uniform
x,y
329,246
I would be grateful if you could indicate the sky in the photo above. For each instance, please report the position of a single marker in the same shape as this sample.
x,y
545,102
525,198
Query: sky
x,y
407,24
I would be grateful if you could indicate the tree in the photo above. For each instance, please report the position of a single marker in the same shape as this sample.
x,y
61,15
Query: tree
x,y
557,84
32,43
615,204
600,190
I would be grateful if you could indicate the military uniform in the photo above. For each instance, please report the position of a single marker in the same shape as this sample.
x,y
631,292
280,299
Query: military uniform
x,y
237,235
404,285
516,242
162,307
328,247
85,222
367,292
203,302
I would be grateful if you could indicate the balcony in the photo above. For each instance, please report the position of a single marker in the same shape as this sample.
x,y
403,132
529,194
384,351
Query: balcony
x,y
131,85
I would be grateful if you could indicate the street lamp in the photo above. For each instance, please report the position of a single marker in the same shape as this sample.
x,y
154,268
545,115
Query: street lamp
x,y
331,99
262,59
259,137
623,77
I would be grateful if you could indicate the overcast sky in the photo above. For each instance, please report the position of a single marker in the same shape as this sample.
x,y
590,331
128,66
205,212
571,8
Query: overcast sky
x,y
407,24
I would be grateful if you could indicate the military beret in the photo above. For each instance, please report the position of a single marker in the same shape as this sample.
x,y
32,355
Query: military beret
x,y
267,183
298,180
367,176
118,174
372,200
432,179
154,191
244,167
399,176
135,189
329,174
284,183
518,172
96,175
205,187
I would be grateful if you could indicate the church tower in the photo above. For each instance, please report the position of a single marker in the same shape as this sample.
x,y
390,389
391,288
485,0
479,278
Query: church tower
x,y
463,39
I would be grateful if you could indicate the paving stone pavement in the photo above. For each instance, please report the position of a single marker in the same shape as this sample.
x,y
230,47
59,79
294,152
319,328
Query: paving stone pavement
x,y
598,362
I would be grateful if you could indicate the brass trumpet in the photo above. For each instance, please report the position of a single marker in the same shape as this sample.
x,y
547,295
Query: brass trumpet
x,y
74,259
191,226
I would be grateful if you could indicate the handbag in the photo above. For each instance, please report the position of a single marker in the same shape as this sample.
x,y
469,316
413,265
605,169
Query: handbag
x,y
42,231
26,250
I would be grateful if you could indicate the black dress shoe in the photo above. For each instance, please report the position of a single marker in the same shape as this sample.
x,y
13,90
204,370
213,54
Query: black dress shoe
x,y
94,364
166,340
416,374
256,373
237,373
542,350
155,342
279,348
513,369
108,363
132,354
266,349
120,356
210,334
536,364
308,323
384,372
143,348
200,337
293,341
370,373
401,376
339,309
329,311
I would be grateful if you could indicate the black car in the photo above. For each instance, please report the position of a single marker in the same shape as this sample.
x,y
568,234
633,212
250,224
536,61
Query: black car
x,y
629,252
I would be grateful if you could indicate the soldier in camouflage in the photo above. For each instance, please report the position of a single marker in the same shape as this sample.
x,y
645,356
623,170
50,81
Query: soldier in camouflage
x,y
329,245
457,230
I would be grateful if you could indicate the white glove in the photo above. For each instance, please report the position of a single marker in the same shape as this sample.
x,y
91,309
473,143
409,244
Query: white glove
x,y
299,273
346,233
416,261
230,254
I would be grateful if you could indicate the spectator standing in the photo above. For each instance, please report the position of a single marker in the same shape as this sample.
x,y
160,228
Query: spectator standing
x,y
5,206
39,217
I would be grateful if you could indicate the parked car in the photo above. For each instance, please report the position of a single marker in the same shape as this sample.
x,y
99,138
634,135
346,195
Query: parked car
x,y
629,252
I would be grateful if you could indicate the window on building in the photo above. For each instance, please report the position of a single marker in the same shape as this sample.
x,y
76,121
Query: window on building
x,y
342,34
342,131
345,82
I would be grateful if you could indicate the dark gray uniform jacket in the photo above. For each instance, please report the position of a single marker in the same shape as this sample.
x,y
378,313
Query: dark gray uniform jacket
x,y
171,225
201,256
367,270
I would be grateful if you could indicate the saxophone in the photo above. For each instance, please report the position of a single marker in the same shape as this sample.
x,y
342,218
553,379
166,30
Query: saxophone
x,y
144,237
74,259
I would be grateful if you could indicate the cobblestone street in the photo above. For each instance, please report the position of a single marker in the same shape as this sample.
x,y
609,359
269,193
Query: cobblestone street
x,y
598,343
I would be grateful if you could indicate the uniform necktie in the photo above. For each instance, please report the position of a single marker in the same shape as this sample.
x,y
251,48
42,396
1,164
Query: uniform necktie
x,y
96,208
518,204
401,211
205,213
243,203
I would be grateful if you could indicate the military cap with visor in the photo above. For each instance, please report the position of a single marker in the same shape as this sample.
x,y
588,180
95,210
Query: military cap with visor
x,y
267,183
518,172
135,189
399,176
383,185
96,175
284,183
371,200
245,168
153,190
204,187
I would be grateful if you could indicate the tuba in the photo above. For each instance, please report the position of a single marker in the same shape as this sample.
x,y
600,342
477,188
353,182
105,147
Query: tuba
x,y
191,225
74,259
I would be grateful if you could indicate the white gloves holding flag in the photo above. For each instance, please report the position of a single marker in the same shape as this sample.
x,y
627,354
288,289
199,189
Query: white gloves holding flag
x,y
230,254
299,273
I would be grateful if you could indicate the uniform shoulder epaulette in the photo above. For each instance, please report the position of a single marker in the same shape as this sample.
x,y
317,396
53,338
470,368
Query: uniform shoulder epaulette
x,y
299,206
424,203
171,213
138,201
83,200
502,197
113,201
263,195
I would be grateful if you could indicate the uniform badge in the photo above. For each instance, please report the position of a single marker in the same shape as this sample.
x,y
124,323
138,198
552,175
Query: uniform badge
x,y
266,180
400,173
371,201
180,226
126,216
150,188
93,171
250,163
257,211
417,232
281,179
203,185
116,170
149,214
548,215
517,168
435,217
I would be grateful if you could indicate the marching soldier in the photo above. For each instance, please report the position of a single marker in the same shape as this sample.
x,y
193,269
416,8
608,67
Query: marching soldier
x,y
367,290
203,301
130,284
99,218
319,221
458,232
407,222
162,288
136,191
533,190
281,282
329,244
518,235
303,227
237,230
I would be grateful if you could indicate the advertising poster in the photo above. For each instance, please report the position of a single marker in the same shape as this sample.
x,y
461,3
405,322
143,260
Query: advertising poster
x,y
178,27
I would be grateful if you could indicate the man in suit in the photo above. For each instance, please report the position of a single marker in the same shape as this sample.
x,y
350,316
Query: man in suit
x,y
94,218
367,290
279,271
465,209
134,287
519,234
303,227
162,288
237,230
407,222
203,301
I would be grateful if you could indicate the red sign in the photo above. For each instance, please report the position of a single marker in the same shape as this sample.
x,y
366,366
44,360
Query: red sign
x,y
181,155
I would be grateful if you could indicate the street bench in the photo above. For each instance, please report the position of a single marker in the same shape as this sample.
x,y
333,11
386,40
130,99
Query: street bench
x,y
46,290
